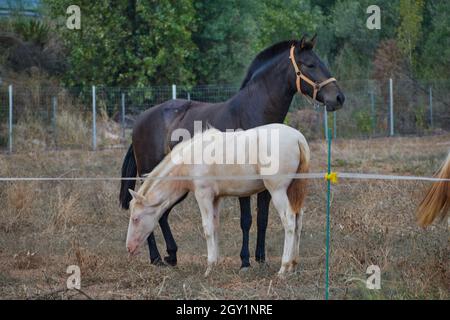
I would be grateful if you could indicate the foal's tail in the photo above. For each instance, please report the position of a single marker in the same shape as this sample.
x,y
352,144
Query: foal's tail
x,y
129,170
296,191
437,200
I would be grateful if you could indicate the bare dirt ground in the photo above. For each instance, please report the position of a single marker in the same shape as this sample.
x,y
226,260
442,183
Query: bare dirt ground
x,y
47,226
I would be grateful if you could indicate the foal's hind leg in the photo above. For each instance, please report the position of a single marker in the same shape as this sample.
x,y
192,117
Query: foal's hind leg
x,y
288,218
205,200
298,231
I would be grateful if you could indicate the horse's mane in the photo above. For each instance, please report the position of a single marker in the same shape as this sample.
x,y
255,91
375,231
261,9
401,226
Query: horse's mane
x,y
268,54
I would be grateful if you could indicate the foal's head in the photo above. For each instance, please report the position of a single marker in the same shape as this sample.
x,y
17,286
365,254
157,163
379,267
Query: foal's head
x,y
145,212
311,67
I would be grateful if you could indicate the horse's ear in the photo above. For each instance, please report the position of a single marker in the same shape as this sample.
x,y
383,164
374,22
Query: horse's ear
x,y
314,40
302,42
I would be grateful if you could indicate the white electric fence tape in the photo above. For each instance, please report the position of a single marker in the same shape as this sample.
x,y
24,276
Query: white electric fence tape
x,y
316,175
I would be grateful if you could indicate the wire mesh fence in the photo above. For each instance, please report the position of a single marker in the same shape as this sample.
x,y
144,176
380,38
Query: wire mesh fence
x,y
372,221
62,118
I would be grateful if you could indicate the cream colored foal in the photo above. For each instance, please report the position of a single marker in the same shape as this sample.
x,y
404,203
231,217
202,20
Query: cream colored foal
x,y
215,164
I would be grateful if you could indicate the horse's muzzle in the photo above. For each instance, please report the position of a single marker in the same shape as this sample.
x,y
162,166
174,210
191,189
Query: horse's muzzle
x,y
335,104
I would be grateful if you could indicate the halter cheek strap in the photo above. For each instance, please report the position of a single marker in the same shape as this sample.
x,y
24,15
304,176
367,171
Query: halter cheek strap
x,y
300,76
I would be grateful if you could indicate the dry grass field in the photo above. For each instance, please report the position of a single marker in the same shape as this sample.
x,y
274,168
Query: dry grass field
x,y
47,226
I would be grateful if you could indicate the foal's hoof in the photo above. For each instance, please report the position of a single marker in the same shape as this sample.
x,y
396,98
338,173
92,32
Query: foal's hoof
x,y
170,261
292,266
207,272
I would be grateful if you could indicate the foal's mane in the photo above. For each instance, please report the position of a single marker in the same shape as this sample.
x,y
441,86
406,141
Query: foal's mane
x,y
267,54
164,167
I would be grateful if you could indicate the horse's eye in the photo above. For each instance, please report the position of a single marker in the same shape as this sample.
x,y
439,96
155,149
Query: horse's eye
x,y
135,219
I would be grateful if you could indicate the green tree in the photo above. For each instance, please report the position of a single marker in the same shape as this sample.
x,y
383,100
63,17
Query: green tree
x,y
287,19
226,36
435,46
409,31
127,42
350,45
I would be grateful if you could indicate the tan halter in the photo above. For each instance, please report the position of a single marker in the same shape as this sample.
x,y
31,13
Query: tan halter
x,y
301,76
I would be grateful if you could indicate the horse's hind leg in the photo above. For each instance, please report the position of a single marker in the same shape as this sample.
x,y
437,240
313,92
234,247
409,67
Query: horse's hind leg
x,y
261,221
246,223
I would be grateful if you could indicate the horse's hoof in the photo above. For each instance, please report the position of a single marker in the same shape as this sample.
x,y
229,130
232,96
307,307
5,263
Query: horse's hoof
x,y
207,272
170,261
261,259
263,265
244,269
157,262
245,265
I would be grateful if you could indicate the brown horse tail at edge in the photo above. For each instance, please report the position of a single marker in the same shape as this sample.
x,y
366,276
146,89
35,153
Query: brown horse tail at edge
x,y
296,191
437,199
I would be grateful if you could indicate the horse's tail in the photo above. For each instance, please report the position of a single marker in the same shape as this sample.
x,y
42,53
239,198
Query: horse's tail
x,y
129,170
296,191
437,199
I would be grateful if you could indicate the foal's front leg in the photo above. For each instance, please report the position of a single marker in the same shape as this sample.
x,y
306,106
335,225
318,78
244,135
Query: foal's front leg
x,y
206,203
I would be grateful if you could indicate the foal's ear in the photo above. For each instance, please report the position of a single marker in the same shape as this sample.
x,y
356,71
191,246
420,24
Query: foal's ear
x,y
136,196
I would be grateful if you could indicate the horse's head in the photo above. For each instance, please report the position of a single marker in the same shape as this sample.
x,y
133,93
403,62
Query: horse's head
x,y
312,76
144,216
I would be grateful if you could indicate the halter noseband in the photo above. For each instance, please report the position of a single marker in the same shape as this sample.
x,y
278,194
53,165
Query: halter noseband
x,y
300,76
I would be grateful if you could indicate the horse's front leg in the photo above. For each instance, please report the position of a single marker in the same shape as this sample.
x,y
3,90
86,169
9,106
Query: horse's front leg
x,y
246,223
155,257
205,201
171,245
261,221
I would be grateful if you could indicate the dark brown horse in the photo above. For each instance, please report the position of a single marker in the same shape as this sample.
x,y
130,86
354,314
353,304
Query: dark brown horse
x,y
265,96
